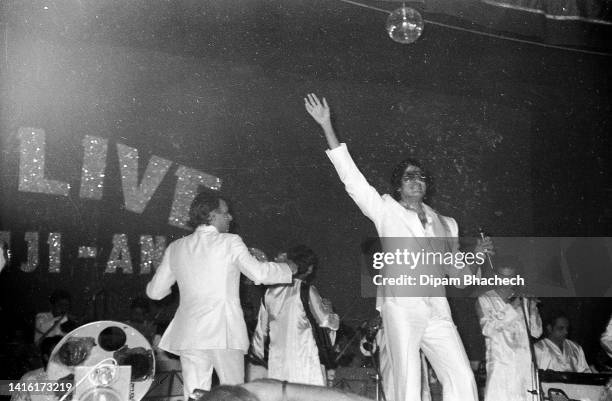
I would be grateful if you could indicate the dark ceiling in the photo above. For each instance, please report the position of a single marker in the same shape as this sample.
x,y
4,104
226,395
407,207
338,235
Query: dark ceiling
x,y
322,36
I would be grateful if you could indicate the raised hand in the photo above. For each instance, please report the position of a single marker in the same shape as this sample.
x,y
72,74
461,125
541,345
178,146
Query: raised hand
x,y
318,110
485,245
320,113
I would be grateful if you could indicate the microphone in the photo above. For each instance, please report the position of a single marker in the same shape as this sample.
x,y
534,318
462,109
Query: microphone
x,y
482,236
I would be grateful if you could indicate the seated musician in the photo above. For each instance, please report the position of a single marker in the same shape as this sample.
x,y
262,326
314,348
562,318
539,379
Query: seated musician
x,y
293,354
556,352
58,321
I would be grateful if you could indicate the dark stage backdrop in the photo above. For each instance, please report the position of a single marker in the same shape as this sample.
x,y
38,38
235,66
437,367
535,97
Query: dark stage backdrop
x,y
105,139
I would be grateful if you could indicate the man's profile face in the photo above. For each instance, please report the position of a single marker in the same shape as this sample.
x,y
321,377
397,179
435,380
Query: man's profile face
x,y
221,217
413,183
558,332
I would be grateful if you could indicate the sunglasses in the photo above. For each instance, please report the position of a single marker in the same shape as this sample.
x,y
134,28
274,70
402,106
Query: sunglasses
x,y
414,176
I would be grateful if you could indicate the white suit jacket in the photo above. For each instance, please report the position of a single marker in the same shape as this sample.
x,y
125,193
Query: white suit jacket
x,y
393,220
207,266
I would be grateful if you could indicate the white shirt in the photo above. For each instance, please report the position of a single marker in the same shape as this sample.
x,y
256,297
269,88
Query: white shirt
x,y
569,359
207,266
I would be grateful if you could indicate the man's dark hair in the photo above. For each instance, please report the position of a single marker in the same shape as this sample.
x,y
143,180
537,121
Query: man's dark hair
x,y
47,345
140,302
554,316
58,295
507,260
228,393
204,203
303,257
398,173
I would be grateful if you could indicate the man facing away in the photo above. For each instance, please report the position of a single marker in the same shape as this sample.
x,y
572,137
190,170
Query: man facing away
x,y
208,329
413,321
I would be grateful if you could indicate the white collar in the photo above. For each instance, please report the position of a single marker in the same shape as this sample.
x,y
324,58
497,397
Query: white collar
x,y
207,228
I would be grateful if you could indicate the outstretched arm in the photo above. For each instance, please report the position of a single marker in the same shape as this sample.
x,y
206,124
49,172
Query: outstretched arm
x,y
261,272
320,113
366,196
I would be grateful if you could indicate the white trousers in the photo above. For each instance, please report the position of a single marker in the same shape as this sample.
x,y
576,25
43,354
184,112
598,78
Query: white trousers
x,y
197,366
426,324
386,370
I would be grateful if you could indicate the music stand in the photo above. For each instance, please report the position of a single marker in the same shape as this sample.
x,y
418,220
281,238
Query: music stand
x,y
158,391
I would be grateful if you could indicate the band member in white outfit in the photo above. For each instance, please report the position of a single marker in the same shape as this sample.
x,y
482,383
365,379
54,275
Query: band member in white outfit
x,y
557,352
293,353
412,321
509,363
208,330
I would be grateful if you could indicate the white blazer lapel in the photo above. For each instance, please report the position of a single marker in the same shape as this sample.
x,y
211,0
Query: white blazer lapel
x,y
411,220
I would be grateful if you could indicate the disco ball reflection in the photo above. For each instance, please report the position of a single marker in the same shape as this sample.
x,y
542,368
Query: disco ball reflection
x,y
405,25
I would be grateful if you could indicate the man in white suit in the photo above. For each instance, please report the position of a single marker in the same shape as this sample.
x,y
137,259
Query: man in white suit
x,y
418,317
208,330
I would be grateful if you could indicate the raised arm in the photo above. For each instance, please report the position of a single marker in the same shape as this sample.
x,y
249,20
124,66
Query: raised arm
x,y
364,195
260,272
320,113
